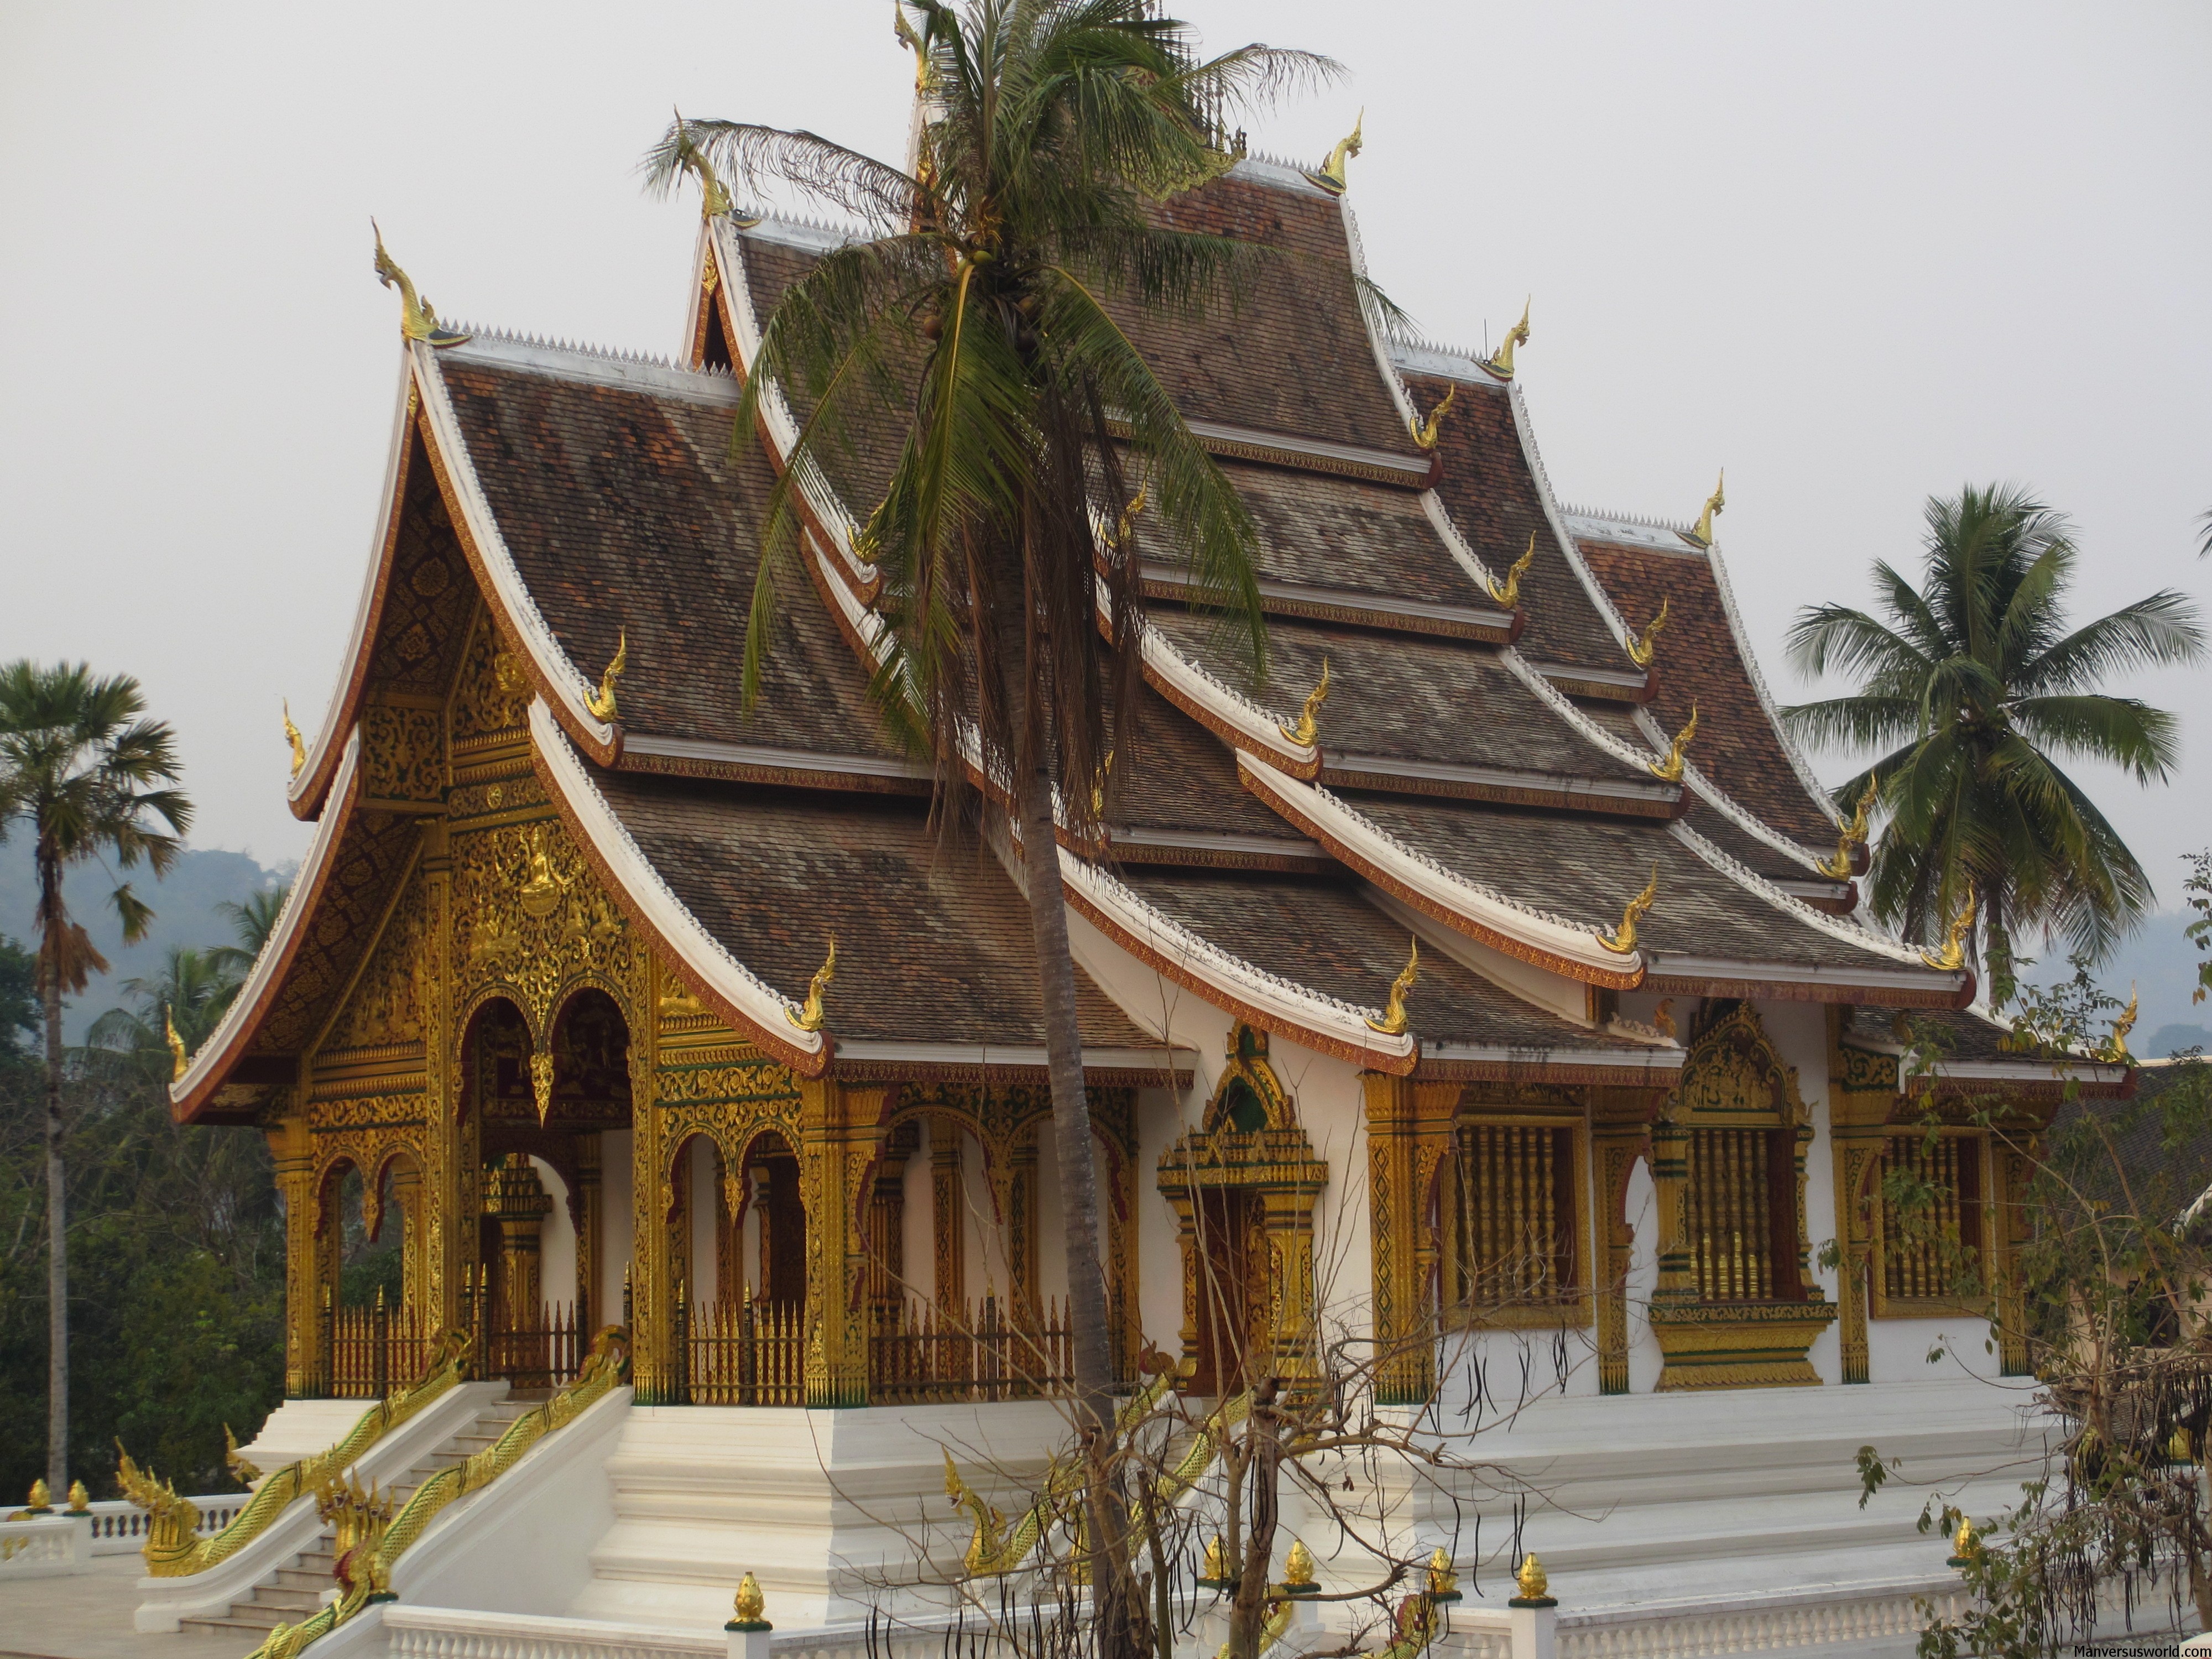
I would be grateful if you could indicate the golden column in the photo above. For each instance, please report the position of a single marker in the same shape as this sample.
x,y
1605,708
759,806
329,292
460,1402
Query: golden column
x,y
1403,1344
589,1314
1020,1201
948,1216
406,1200
839,1140
292,1148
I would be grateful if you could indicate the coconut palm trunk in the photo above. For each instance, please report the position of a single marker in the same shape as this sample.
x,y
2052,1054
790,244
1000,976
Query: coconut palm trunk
x,y
50,997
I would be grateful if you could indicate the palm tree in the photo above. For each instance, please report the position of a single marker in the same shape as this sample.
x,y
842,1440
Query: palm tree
x,y
1981,687
976,323
82,768
253,919
189,996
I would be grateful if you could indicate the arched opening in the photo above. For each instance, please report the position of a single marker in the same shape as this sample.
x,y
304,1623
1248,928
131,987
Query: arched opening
x,y
360,1264
738,1240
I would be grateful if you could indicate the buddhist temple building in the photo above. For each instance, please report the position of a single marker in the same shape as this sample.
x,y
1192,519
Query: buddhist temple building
x,y
622,1003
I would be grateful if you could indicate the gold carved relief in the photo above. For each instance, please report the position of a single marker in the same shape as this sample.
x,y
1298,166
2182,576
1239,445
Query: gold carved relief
x,y
403,753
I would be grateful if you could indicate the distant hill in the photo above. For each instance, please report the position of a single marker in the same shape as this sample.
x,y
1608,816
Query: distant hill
x,y
2161,964
184,905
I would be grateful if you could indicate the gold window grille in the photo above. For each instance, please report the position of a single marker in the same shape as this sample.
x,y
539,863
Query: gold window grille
x,y
1731,1202
1921,1263
1511,1209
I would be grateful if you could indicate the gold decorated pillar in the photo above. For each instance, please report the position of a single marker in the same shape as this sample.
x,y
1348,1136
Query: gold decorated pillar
x,y
1018,1206
1861,1095
406,1200
516,1199
448,1189
1406,1372
651,1310
838,1143
1619,1138
1287,1219
586,1222
948,1216
1670,1190
293,1152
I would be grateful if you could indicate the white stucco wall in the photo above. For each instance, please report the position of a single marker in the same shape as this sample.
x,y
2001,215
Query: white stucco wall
x,y
618,1236
557,1241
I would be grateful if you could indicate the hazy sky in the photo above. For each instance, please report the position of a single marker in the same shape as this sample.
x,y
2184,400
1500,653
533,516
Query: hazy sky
x,y
1856,254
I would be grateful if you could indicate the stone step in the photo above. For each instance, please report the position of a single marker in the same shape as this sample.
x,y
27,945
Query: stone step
x,y
243,1617
305,1600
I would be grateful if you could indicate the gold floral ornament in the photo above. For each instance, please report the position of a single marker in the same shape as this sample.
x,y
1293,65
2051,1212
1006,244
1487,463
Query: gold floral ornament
x,y
1430,433
602,702
2114,1051
1393,1022
1646,646
1308,723
1298,1569
1507,594
418,319
179,1060
1622,939
1702,536
1669,769
810,1015
1851,836
1500,361
1952,956
292,736
1331,177
1533,1583
749,1608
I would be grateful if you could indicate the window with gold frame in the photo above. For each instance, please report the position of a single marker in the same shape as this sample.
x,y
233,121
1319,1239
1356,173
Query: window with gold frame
x,y
1918,1263
1512,1220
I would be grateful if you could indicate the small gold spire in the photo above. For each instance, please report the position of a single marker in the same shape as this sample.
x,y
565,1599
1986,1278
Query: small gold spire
x,y
749,1607
1217,1561
1702,535
1331,177
602,702
1622,939
1308,719
1501,360
2116,1050
810,1016
418,318
1670,768
1297,1565
292,736
1850,838
1952,956
1508,594
42,1495
179,1060
1444,1582
79,1499
1429,432
1644,646
1393,1022
1533,1582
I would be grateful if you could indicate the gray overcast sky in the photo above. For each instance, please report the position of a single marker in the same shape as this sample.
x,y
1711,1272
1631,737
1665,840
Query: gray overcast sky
x,y
1855,254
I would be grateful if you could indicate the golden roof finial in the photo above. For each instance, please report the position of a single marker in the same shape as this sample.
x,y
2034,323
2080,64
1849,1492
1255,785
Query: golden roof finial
x,y
1429,432
1393,1022
1098,786
713,200
1309,726
292,736
1500,361
1298,1566
1670,768
1508,594
1331,177
1851,836
602,702
1646,646
1965,1543
1703,534
1622,939
1952,956
749,1608
1126,525
1532,1581
810,1016
2116,1050
179,1060
913,42
418,319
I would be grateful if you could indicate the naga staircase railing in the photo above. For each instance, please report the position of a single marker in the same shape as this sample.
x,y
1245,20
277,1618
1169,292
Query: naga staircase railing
x,y
173,1549
371,1539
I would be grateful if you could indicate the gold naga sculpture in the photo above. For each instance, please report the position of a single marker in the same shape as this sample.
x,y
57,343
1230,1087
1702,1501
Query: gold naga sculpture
x,y
1507,593
1851,836
418,319
179,1060
243,1469
1703,534
2114,1050
1953,955
810,1014
1125,526
1646,646
1331,177
1309,724
292,736
1500,361
1430,433
1216,1570
1393,1022
602,702
1669,769
1622,939
904,32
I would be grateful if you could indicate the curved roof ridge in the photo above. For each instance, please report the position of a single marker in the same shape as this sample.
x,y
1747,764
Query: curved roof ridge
x,y
1799,762
1727,805
1842,931
1641,521
1370,316
494,335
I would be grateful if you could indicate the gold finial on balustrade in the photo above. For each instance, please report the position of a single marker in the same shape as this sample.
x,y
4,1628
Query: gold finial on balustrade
x,y
1965,1543
80,1500
1215,1574
42,1497
1533,1583
1298,1569
1444,1582
750,1608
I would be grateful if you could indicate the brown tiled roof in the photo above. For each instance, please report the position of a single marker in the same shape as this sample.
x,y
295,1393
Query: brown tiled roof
x,y
1585,869
1699,663
1742,846
1184,778
933,941
1494,503
623,512
1324,935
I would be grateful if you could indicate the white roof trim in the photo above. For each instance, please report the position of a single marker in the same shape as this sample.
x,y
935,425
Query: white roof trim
x,y
1667,1060
328,832
1345,599
1419,357
1376,336
1262,726
1725,803
786,760
701,957
717,388
537,637
1276,175
1575,785
1166,1058
1540,929
1414,469
1294,847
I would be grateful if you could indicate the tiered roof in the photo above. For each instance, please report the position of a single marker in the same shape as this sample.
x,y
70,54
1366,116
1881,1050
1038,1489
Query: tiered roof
x,y
1484,776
